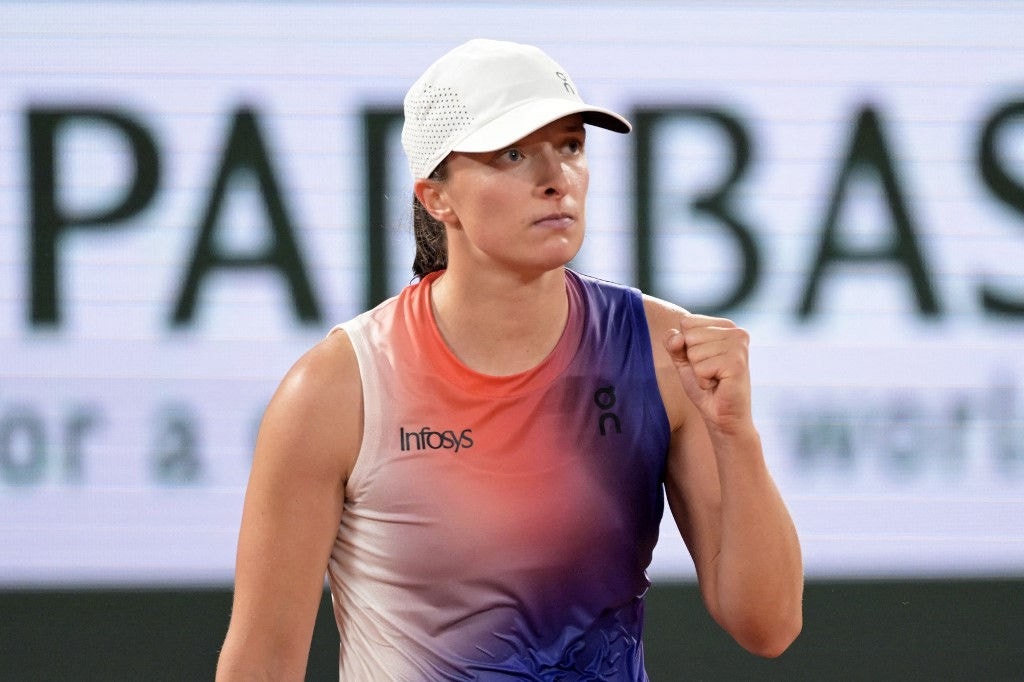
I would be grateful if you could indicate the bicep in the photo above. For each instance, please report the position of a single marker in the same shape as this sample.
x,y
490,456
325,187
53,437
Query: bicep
x,y
293,504
291,514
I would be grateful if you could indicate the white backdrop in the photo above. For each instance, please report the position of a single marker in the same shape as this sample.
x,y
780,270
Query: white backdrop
x,y
897,437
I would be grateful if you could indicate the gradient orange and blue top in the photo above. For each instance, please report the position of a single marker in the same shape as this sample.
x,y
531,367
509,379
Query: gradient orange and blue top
x,y
503,524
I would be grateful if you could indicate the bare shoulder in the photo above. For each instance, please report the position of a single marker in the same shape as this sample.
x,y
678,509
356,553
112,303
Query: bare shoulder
x,y
662,317
318,407
661,313
328,370
327,365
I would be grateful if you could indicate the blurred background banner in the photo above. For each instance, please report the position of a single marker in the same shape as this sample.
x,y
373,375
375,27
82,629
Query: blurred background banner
x,y
192,194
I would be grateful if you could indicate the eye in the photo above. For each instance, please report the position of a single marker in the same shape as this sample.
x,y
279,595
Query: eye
x,y
574,146
512,154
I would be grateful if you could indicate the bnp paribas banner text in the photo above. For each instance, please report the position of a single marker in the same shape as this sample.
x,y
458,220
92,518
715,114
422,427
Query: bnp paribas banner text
x,y
190,197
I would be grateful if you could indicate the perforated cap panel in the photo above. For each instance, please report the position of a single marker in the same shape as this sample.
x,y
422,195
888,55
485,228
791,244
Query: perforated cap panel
x,y
440,115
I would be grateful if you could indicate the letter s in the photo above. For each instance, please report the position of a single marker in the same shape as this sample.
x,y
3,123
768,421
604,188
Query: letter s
x,y
1006,188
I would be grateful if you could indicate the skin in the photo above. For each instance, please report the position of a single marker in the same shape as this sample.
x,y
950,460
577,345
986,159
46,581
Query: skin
x,y
514,218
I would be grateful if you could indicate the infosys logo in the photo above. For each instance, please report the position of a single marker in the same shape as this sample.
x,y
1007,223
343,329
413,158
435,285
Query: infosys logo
x,y
429,439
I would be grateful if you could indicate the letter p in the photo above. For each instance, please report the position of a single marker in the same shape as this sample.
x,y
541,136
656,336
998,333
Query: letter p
x,y
50,220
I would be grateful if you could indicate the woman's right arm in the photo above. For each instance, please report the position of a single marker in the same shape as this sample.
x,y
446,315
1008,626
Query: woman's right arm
x,y
305,450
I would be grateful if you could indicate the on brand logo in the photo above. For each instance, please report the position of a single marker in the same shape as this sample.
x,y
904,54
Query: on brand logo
x,y
565,82
604,398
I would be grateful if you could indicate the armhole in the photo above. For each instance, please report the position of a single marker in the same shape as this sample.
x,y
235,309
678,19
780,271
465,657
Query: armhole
x,y
370,441
658,413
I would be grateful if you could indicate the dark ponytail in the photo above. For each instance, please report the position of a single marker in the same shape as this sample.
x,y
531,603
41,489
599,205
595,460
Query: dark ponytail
x,y
431,240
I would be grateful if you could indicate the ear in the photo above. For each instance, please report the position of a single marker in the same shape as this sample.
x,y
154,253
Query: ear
x,y
434,199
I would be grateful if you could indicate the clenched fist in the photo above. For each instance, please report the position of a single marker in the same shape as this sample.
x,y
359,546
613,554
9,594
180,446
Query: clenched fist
x,y
711,357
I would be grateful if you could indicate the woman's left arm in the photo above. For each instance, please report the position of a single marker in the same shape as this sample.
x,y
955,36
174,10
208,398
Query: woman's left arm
x,y
722,496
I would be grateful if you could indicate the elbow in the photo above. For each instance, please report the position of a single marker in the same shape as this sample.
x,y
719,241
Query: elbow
x,y
777,643
771,640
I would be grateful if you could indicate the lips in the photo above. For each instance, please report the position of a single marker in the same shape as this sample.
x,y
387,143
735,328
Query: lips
x,y
555,221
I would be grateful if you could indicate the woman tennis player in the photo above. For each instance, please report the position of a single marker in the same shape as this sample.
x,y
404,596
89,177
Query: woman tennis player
x,y
479,464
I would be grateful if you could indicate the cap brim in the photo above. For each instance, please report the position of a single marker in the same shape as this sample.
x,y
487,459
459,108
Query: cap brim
x,y
519,122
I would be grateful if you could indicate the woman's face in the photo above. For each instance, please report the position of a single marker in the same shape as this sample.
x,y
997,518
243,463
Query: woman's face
x,y
521,207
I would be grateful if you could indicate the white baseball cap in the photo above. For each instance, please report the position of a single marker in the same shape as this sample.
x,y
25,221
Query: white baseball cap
x,y
486,94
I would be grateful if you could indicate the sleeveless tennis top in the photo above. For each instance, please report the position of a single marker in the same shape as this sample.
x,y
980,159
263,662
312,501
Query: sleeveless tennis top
x,y
500,527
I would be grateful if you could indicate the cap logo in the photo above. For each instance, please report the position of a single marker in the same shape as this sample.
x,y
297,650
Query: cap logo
x,y
565,82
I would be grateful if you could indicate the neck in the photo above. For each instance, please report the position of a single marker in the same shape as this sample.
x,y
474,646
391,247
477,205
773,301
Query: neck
x,y
499,324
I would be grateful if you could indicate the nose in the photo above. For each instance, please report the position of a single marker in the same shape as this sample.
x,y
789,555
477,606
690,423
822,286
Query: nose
x,y
552,174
